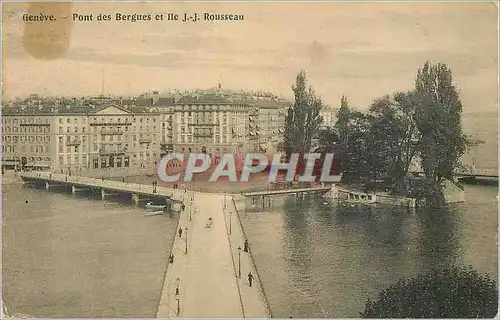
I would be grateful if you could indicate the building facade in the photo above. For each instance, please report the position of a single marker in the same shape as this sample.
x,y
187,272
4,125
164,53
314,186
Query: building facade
x,y
78,139
27,139
329,115
136,133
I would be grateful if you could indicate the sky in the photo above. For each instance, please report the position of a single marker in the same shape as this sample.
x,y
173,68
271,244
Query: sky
x,y
361,50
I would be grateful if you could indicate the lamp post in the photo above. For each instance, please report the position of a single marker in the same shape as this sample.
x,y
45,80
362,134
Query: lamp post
x,y
190,209
186,230
239,262
225,199
230,219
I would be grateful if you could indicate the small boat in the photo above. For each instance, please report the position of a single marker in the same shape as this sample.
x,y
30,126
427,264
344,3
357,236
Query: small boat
x,y
154,213
361,198
151,205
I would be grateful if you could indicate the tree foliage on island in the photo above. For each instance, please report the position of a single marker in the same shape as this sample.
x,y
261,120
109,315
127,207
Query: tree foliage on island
x,y
452,292
378,147
302,121
438,117
394,138
342,124
438,114
347,141
355,151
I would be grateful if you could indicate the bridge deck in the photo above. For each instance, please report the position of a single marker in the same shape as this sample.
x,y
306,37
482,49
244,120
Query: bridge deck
x,y
273,192
104,184
491,173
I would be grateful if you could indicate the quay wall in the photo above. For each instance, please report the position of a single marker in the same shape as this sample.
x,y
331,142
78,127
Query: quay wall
x,y
396,201
453,192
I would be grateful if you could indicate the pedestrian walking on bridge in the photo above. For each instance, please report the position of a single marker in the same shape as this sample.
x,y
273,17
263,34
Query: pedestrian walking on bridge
x,y
250,278
180,232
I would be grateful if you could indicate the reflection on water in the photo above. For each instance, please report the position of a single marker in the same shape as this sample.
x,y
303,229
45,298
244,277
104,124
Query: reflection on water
x,y
321,259
66,256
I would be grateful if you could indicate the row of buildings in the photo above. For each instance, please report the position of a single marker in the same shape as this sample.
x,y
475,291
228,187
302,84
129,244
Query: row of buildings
x,y
136,133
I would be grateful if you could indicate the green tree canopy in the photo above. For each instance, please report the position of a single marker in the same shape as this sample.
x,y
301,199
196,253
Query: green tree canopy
x,y
438,119
378,147
343,117
394,138
452,292
303,119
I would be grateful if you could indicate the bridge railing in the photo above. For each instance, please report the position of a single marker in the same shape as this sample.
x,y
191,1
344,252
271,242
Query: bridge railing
x,y
468,171
261,284
108,184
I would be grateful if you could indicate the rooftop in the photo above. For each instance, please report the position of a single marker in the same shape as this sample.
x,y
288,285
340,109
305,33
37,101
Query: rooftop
x,y
40,105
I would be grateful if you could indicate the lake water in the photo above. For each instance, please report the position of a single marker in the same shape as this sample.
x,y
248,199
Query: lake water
x,y
74,257
322,259
484,127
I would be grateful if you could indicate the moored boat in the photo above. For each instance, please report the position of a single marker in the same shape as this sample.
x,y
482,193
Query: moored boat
x,y
151,205
360,197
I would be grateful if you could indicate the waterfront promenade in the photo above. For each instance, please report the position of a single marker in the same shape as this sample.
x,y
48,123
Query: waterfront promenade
x,y
207,275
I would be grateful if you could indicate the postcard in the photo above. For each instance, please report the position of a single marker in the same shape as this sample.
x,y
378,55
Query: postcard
x,y
249,160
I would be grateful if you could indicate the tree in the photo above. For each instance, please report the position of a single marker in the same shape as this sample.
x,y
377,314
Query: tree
x,y
377,147
302,121
394,138
343,118
438,119
328,142
349,132
356,159
452,292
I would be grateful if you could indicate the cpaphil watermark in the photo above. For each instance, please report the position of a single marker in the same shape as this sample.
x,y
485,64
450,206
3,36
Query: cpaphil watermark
x,y
176,166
